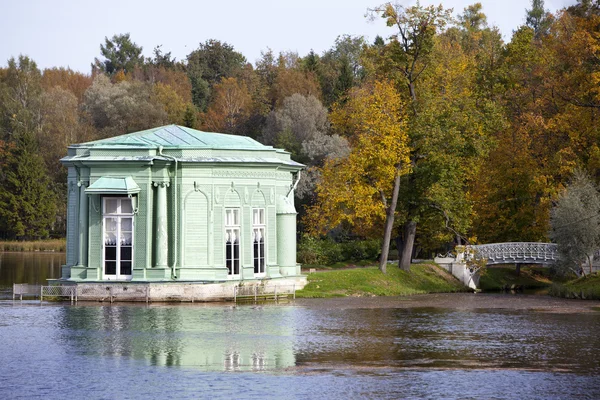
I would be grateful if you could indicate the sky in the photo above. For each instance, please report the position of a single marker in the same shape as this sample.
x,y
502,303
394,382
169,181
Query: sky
x,y
68,33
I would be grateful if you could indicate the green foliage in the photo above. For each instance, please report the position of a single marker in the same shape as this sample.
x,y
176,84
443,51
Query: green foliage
x,y
538,18
120,53
315,251
27,204
423,278
576,223
587,288
207,65
501,278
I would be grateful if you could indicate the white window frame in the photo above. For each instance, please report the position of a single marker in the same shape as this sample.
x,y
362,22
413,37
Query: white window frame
x,y
232,229
119,214
259,226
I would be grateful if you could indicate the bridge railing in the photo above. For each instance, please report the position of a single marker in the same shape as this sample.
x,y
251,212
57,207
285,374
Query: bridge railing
x,y
524,252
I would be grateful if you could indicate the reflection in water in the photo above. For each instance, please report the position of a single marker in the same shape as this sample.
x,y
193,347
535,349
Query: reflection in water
x,y
211,337
347,348
28,267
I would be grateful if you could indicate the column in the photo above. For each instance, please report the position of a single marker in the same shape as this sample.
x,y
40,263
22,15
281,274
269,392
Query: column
x,y
84,216
162,227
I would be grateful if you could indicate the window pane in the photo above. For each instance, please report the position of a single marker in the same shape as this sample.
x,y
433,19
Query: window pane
x,y
261,216
126,253
262,256
110,239
111,206
125,267
126,224
126,239
236,251
110,268
126,207
236,217
228,258
110,224
110,253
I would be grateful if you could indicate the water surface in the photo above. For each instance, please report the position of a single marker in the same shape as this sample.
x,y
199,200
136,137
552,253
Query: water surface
x,y
438,346
493,346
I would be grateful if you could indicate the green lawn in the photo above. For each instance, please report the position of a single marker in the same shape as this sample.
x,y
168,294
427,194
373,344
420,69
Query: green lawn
x,y
585,287
369,281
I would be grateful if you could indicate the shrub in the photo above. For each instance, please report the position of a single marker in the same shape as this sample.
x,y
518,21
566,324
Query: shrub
x,y
326,251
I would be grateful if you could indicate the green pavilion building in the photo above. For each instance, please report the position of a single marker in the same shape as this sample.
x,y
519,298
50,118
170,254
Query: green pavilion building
x,y
173,204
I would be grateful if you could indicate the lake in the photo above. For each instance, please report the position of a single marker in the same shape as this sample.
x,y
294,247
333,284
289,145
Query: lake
x,y
427,346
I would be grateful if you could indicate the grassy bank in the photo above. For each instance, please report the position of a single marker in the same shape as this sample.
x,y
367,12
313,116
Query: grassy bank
x,y
582,288
369,281
35,245
502,278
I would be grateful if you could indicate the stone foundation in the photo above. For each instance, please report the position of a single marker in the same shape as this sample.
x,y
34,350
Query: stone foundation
x,y
182,291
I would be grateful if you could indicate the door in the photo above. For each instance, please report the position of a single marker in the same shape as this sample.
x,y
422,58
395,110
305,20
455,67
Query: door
x,y
118,238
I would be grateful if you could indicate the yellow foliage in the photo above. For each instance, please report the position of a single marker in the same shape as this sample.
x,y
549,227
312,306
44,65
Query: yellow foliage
x,y
172,103
354,191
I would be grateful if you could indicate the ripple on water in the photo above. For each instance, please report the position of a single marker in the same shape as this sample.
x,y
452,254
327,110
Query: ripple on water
x,y
307,349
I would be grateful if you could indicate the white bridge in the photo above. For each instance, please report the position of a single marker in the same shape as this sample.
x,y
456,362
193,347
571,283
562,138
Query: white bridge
x,y
497,253
517,253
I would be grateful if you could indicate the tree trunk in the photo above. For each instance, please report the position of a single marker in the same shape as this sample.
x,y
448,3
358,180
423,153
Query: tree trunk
x,y
389,223
410,230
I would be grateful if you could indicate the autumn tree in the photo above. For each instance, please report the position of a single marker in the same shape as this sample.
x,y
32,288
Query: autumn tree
x,y
172,103
119,108
229,108
361,190
406,58
120,54
67,79
207,65
551,101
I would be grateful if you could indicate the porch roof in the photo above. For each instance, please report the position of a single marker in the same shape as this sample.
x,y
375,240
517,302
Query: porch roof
x,y
113,185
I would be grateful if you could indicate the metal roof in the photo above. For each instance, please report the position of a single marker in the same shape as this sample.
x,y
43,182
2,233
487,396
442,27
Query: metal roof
x,y
178,137
113,185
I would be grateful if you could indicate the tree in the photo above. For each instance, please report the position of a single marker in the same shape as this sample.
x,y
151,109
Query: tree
x,y
405,59
171,101
361,190
302,117
75,82
20,98
575,222
341,68
290,78
27,204
413,43
585,8
119,108
473,18
207,65
161,59
229,107
538,18
120,54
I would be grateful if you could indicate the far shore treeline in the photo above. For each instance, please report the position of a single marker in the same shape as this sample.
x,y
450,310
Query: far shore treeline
x,y
439,134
